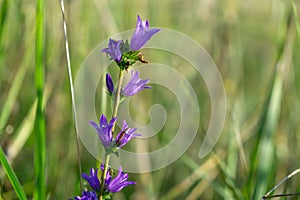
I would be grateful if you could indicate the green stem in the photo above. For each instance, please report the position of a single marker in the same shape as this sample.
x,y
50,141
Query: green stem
x,y
40,123
107,157
118,96
115,112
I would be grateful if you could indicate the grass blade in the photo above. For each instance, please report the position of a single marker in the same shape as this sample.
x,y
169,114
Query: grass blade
x,y
12,95
4,8
296,20
198,174
266,147
40,124
23,132
12,176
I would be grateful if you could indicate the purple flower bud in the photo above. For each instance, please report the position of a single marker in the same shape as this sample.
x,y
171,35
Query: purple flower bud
x,y
135,85
142,34
109,84
114,50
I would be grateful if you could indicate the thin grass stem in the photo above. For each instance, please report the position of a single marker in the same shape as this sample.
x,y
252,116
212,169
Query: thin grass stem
x,y
267,196
72,89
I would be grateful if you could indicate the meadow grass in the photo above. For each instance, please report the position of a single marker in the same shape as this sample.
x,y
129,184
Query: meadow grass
x,y
255,46
12,176
40,120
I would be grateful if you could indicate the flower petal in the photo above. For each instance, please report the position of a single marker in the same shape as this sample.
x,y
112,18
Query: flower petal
x,y
104,131
92,179
114,50
87,195
119,182
135,85
142,34
125,135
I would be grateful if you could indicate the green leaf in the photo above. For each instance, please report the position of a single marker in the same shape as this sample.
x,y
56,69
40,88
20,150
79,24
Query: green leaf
x,y
12,176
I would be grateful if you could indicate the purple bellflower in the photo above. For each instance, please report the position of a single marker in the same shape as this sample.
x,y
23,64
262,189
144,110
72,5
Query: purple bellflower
x,y
119,182
108,175
135,85
126,54
142,34
87,195
93,179
111,185
109,84
104,131
125,135
114,50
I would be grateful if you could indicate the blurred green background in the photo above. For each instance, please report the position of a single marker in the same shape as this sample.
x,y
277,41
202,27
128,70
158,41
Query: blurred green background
x,y
255,45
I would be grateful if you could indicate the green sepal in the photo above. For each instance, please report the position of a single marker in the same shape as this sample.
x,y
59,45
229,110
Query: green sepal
x,y
113,149
128,59
107,196
125,47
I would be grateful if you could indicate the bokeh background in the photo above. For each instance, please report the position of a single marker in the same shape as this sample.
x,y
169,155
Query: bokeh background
x,y
255,45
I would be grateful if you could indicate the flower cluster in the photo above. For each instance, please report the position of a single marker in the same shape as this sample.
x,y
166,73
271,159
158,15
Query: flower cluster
x,y
104,131
134,86
87,195
111,185
125,54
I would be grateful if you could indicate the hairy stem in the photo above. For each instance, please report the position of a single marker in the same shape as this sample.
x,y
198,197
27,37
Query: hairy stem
x,y
115,112
107,157
118,96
